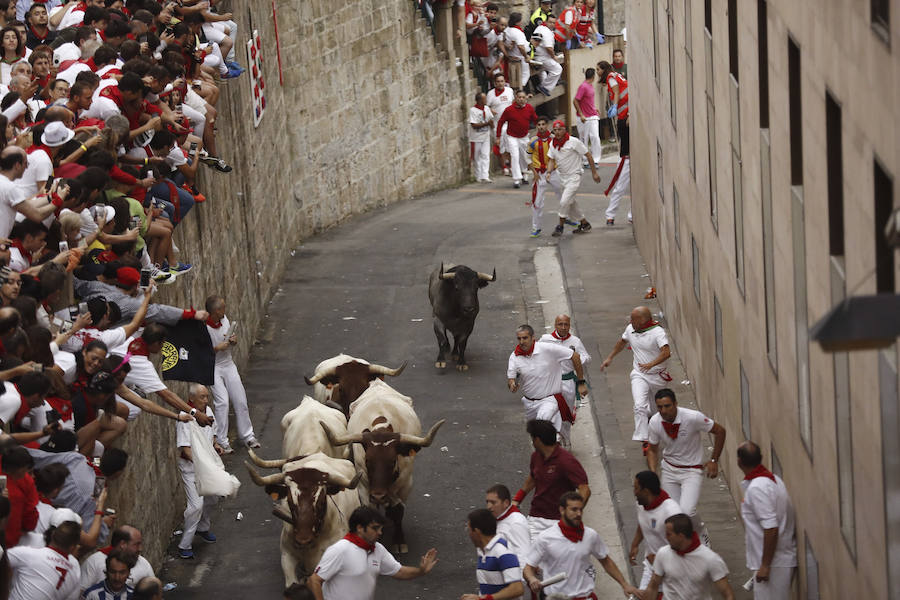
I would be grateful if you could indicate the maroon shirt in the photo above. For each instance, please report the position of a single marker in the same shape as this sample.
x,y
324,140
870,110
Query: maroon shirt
x,y
553,476
519,118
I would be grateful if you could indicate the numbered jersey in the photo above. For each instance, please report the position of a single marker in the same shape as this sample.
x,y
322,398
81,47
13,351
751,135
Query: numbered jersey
x,y
43,574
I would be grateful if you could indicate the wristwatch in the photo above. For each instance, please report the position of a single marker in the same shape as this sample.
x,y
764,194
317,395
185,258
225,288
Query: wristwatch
x,y
579,381
193,412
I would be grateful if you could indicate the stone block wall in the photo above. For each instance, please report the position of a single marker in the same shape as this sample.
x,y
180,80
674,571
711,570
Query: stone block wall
x,y
370,112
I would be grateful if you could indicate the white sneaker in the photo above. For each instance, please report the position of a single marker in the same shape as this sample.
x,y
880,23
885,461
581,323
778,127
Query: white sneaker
x,y
161,277
507,172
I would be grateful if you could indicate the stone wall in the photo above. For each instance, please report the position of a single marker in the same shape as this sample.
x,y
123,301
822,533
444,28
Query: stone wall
x,y
370,112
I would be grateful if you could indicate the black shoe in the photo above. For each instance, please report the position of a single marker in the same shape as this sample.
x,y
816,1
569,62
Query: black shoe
x,y
583,228
558,231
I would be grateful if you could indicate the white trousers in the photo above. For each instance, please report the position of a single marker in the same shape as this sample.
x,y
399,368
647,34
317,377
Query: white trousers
x,y
683,486
589,134
778,587
481,158
215,32
538,190
568,206
550,73
621,186
518,156
647,575
568,392
198,511
545,409
643,387
539,524
196,118
229,386
503,142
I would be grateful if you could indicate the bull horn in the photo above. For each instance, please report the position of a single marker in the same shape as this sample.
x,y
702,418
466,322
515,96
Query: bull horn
x,y
486,277
380,370
445,276
338,480
318,376
424,442
263,481
279,512
266,464
340,440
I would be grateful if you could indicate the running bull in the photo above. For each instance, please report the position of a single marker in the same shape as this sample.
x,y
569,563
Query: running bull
x,y
454,302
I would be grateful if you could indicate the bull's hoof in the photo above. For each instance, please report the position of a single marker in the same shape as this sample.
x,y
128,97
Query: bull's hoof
x,y
440,364
404,549
462,367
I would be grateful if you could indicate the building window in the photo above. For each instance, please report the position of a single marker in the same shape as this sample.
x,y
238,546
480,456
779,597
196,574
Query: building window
x,y
835,176
675,217
884,254
795,108
689,90
812,572
711,158
695,264
768,239
762,32
655,5
881,19
737,182
659,171
801,317
745,402
670,26
890,456
733,39
717,327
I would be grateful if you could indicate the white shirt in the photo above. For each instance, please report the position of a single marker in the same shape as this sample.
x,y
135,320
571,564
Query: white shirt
x,y
10,402
10,197
143,374
646,346
573,342
111,337
17,260
217,336
767,505
568,158
689,577
72,18
93,570
686,450
40,167
72,72
653,524
540,375
499,102
514,39
183,440
554,553
544,50
43,573
514,529
476,117
350,572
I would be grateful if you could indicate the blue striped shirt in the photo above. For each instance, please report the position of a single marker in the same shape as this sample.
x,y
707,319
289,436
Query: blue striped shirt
x,y
497,567
101,592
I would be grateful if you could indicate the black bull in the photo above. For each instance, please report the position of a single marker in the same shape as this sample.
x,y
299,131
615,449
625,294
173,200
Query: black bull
x,y
454,302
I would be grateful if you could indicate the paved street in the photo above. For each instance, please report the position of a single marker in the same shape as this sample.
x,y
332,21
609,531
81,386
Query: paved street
x,y
361,289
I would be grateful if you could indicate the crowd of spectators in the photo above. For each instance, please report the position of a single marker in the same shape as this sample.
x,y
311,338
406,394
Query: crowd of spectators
x,y
108,109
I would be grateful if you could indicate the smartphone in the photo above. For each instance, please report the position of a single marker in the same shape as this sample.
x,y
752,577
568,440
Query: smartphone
x,y
193,149
231,329
63,247
99,484
73,313
82,308
135,222
37,368
52,416
145,278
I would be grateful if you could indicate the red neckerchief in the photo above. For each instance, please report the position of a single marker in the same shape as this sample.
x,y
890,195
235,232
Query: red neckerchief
x,y
106,550
43,499
618,66
542,137
498,94
68,63
517,27
90,62
138,347
36,147
112,92
96,469
512,509
17,244
695,543
520,352
24,409
210,322
663,496
568,335
35,33
759,471
647,326
358,541
671,428
559,144
573,534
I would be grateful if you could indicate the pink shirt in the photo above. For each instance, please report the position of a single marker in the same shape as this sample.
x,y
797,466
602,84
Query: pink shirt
x,y
585,99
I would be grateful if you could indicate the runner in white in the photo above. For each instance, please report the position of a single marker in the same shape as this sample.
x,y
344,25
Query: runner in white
x,y
568,548
768,526
350,567
654,507
650,345
566,154
562,336
686,569
50,573
499,99
537,369
511,523
679,431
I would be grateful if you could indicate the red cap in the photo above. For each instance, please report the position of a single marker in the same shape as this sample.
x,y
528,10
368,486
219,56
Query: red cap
x,y
559,123
128,276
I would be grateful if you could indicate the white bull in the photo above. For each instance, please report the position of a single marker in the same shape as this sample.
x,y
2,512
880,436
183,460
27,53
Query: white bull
x,y
302,434
340,380
384,424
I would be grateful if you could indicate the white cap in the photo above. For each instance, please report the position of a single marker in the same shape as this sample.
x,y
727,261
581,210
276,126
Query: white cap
x,y
62,515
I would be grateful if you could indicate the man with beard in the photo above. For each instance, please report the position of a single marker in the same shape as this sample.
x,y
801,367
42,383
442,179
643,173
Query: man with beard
x,y
566,154
654,507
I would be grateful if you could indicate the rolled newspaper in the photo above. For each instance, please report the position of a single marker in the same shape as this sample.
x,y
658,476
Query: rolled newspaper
x,y
554,579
